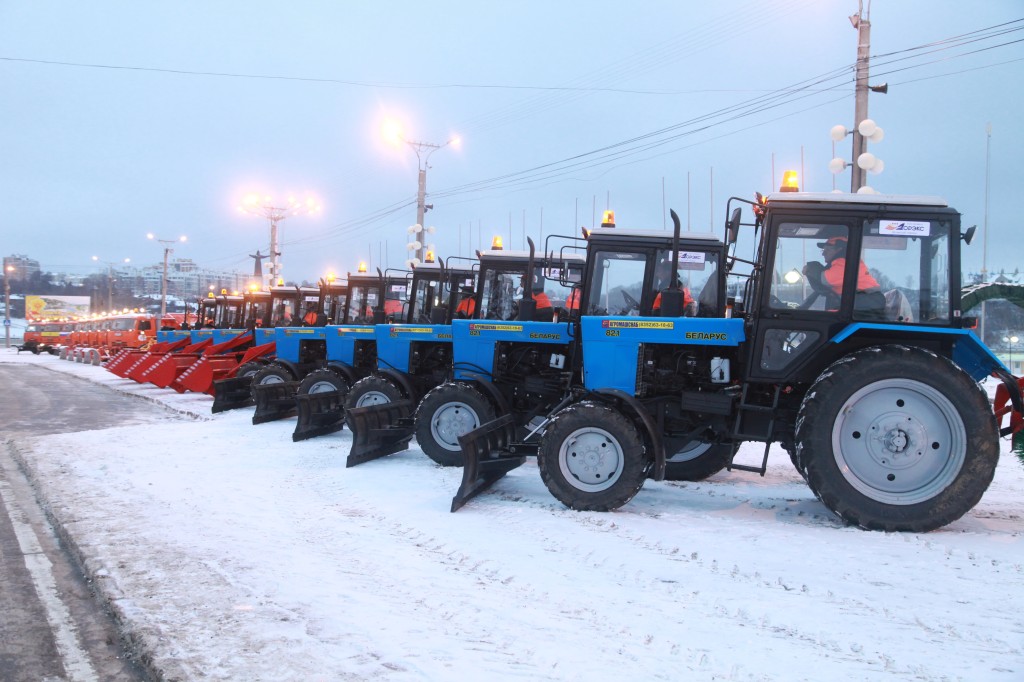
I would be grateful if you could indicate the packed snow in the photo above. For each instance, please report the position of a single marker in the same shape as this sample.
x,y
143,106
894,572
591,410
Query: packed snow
x,y
230,553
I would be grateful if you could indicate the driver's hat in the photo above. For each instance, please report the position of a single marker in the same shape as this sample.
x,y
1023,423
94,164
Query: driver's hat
x,y
834,241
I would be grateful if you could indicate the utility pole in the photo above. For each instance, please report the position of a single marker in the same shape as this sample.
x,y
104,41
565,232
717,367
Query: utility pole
x,y
163,281
423,152
8,269
863,25
984,232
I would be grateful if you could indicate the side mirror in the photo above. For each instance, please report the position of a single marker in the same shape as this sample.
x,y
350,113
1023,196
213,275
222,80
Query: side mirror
x,y
969,234
732,226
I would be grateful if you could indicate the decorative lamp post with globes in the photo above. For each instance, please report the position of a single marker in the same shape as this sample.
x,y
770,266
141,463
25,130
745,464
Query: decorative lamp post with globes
x,y
163,282
393,134
264,206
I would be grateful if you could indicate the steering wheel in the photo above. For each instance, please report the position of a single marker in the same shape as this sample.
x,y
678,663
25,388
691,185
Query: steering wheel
x,y
631,303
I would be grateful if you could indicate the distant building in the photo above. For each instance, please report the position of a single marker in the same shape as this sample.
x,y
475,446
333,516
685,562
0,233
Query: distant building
x,y
24,267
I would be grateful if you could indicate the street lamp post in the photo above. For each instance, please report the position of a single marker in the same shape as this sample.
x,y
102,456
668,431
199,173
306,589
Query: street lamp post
x,y
110,280
163,282
1011,341
264,206
7,305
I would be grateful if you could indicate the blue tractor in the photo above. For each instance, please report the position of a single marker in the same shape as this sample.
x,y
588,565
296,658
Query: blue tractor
x,y
857,361
416,361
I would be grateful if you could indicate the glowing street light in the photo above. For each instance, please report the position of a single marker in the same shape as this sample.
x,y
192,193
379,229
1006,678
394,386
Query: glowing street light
x,y
110,279
264,206
163,282
1011,341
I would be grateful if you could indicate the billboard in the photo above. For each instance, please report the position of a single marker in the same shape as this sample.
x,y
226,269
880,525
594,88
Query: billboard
x,y
55,307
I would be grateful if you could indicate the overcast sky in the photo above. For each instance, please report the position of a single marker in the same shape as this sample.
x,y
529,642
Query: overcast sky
x,y
122,118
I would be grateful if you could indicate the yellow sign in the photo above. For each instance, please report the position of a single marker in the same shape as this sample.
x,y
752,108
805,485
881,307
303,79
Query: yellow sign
x,y
354,330
638,324
476,327
412,330
290,332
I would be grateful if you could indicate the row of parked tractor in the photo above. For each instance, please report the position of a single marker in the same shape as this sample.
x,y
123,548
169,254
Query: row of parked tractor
x,y
623,355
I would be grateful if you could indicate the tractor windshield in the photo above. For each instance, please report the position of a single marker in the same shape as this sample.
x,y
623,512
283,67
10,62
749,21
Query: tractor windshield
x,y
396,296
362,301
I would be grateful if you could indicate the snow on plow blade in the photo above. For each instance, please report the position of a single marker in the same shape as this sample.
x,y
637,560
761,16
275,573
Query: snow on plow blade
x,y
485,458
379,430
274,401
232,393
319,414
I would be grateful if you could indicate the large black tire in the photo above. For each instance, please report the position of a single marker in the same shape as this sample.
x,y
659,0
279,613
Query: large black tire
x,y
897,439
592,458
249,369
697,460
444,414
321,381
272,374
370,391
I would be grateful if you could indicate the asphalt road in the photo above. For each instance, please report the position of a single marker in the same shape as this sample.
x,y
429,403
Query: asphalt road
x,y
51,625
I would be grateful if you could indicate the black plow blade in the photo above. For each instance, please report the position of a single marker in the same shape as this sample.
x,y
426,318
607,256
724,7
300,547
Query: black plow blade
x,y
486,458
274,401
380,430
229,394
319,414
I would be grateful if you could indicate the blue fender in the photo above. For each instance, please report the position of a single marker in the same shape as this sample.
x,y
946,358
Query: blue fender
x,y
401,380
969,352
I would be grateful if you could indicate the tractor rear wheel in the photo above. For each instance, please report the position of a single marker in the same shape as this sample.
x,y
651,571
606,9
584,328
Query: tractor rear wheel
x,y
592,458
445,413
697,460
272,374
898,439
322,381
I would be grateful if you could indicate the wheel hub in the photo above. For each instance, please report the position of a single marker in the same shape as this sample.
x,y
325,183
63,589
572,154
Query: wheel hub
x,y
452,421
372,398
592,457
896,440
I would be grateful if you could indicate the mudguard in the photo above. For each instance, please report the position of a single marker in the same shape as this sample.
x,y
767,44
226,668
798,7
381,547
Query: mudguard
x,y
319,414
403,382
379,430
485,457
274,401
646,421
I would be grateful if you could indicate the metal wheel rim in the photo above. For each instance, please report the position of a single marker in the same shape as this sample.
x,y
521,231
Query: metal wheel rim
x,y
372,398
690,451
899,441
322,386
271,379
451,421
591,459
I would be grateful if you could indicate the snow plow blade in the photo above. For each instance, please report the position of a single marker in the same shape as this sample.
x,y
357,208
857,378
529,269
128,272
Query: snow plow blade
x,y
230,394
486,458
274,401
319,414
379,430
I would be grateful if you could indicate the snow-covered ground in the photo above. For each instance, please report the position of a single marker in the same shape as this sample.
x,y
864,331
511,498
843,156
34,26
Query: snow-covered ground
x,y
231,553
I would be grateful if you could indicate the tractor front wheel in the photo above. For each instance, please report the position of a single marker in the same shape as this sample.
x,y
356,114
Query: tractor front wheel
x,y
372,391
447,412
592,458
322,381
249,369
272,374
897,438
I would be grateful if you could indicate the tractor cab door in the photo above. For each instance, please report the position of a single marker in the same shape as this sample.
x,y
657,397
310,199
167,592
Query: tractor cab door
x,y
803,286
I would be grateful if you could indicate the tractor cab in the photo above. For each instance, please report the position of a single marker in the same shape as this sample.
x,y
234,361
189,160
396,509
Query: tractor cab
x,y
506,278
628,271
228,312
438,291
373,299
332,300
846,271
